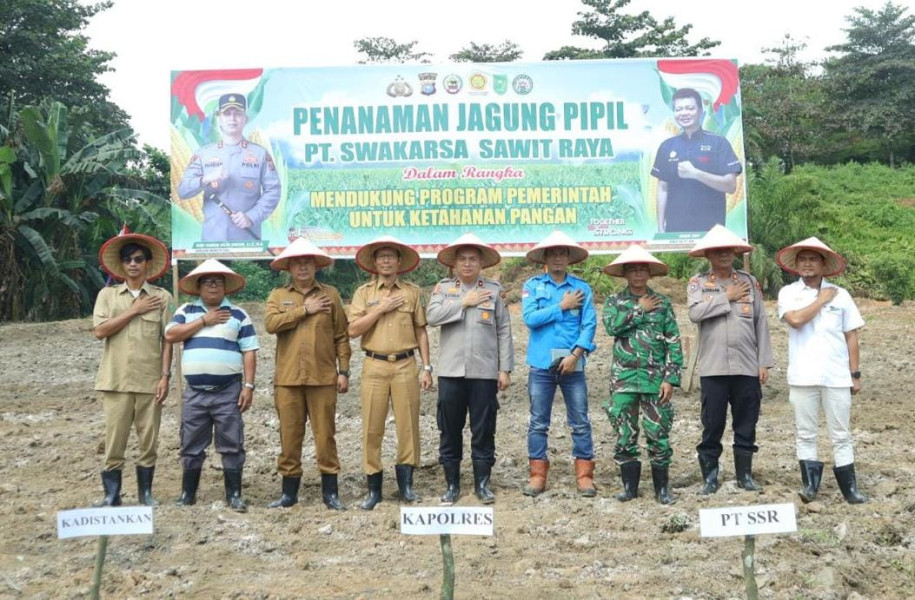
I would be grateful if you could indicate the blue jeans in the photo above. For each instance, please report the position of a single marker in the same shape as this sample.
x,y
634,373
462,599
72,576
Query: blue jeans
x,y
541,386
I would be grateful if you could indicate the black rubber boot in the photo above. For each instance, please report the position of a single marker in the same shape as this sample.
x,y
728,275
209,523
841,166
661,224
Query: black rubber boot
x,y
189,482
290,493
848,483
453,480
233,490
811,476
329,493
709,468
743,466
482,471
661,489
111,483
404,474
144,486
630,473
374,482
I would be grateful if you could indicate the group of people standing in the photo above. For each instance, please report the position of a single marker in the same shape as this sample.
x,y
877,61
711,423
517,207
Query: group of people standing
x,y
476,360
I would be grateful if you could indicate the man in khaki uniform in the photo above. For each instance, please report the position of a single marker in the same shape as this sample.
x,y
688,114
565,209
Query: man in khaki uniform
x,y
390,315
136,361
476,358
735,354
312,366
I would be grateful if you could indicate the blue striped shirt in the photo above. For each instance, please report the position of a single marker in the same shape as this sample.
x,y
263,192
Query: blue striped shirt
x,y
212,357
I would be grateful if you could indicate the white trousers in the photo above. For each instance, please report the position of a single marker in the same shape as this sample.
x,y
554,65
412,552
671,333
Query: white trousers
x,y
836,403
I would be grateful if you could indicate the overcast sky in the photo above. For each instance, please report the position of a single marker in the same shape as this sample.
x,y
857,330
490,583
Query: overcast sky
x,y
153,38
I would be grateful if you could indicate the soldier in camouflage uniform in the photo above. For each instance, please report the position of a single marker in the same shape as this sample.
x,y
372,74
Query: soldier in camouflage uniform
x,y
647,358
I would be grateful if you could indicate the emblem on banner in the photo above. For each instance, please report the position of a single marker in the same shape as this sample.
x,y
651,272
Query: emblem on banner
x,y
478,82
523,85
399,88
500,83
427,83
453,83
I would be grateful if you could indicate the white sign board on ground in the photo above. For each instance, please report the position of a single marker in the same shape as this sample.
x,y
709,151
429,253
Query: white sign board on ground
x,y
437,520
747,520
128,520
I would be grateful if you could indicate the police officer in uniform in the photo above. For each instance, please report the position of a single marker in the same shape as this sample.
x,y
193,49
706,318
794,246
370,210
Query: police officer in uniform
x,y
475,362
695,170
238,178
735,354
389,314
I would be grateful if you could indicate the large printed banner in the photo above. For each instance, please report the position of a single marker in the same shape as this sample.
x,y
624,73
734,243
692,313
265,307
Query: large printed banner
x,y
610,152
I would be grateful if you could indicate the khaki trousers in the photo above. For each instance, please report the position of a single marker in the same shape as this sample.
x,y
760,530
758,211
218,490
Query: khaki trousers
x,y
123,409
387,384
294,406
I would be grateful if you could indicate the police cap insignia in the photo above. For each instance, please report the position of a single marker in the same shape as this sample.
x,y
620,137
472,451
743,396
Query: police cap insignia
x,y
227,101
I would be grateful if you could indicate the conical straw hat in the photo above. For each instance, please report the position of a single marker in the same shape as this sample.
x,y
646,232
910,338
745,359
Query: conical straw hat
x,y
109,255
189,283
833,263
301,247
557,239
636,255
490,256
365,257
719,237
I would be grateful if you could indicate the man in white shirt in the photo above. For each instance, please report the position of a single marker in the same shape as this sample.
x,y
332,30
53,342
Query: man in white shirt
x,y
823,361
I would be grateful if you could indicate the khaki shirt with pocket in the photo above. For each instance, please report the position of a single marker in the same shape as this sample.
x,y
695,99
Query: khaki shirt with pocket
x,y
309,348
395,331
132,357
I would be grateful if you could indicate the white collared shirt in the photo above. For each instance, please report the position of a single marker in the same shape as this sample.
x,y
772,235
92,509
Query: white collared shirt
x,y
817,351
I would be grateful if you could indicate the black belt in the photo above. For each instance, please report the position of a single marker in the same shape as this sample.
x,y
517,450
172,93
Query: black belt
x,y
218,388
390,357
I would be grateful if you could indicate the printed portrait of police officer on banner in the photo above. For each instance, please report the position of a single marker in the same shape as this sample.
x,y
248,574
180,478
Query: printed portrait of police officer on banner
x,y
238,179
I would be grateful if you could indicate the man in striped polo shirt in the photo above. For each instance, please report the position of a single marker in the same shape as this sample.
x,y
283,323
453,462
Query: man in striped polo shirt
x,y
218,363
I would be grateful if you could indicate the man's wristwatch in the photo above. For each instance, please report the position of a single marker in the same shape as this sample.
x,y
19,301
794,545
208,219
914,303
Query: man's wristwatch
x,y
343,372
428,369
249,385
856,374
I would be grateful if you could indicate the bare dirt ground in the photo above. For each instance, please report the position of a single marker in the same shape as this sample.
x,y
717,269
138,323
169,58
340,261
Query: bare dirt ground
x,y
556,546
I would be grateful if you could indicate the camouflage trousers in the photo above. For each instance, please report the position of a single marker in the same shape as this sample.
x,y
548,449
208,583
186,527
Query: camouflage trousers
x,y
657,420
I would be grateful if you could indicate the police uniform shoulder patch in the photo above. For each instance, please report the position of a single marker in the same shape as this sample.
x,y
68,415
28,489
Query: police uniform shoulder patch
x,y
269,160
693,285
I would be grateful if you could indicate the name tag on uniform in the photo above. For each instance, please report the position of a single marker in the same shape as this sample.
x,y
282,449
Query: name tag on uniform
x,y
372,303
288,302
488,305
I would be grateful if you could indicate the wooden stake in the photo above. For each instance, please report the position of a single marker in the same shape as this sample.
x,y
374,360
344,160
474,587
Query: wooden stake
x,y
448,570
749,567
99,565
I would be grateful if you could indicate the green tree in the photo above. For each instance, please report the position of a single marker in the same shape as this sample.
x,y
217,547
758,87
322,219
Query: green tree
x,y
629,36
43,54
783,107
871,85
388,50
487,53
63,189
